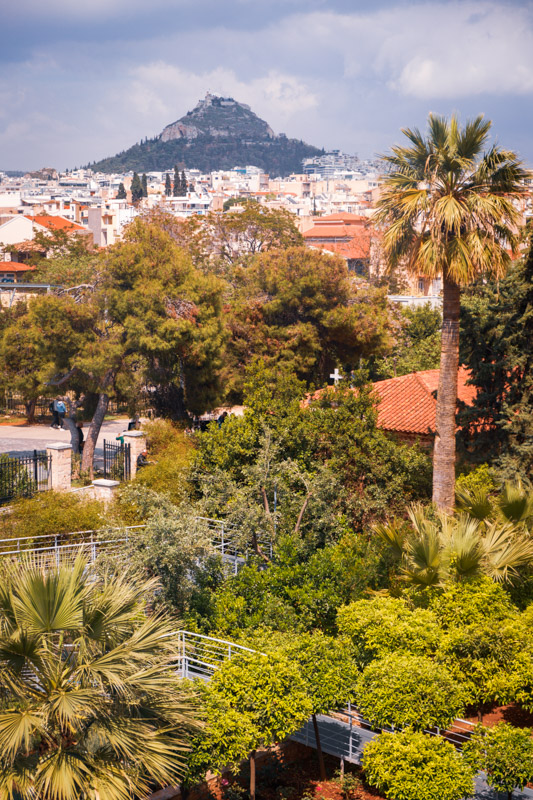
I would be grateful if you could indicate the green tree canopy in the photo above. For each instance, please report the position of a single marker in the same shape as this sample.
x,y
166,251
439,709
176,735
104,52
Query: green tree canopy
x,y
404,690
300,307
415,766
121,193
504,753
385,625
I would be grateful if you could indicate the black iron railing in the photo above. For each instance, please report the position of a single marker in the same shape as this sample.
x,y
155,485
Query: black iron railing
x,y
117,461
23,476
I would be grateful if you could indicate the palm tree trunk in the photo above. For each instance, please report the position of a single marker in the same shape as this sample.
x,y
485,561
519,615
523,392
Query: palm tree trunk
x,y
444,450
320,754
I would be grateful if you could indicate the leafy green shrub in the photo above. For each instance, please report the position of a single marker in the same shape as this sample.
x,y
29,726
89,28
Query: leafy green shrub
x,y
386,624
468,603
171,451
52,513
415,766
480,479
504,753
406,690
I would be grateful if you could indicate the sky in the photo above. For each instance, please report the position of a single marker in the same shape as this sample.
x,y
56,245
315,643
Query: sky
x,y
84,80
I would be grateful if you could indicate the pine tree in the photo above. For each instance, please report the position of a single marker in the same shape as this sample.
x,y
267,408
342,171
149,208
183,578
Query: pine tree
x,y
168,186
144,184
136,188
121,194
498,326
177,182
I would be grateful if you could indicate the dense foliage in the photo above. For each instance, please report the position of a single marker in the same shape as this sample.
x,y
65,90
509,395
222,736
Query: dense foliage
x,y
415,766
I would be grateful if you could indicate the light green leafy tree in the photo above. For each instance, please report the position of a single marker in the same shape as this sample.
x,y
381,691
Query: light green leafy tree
x,y
414,766
403,690
504,753
268,694
386,625
329,672
90,703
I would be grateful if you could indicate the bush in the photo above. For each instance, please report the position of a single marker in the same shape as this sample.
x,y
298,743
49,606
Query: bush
x,y
504,753
386,624
52,513
407,690
415,766
171,450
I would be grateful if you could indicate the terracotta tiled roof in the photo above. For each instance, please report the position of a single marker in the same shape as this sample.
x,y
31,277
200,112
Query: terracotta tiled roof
x,y
55,223
325,231
407,404
343,217
14,266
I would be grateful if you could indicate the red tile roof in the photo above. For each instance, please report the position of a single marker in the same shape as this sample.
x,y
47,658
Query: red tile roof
x,y
14,266
343,217
55,223
407,403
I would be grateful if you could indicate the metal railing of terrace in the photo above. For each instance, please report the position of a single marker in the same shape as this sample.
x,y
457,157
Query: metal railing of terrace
x,y
64,547
200,656
343,733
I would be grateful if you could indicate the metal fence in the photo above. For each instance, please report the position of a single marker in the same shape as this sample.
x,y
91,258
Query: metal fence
x,y
64,547
23,476
201,655
117,461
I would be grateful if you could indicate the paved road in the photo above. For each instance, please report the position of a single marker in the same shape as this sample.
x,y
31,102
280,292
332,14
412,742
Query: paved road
x,y
23,439
336,739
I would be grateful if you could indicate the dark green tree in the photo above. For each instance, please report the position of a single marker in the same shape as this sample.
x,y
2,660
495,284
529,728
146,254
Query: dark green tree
x,y
136,188
168,185
176,184
498,348
121,194
183,184
144,184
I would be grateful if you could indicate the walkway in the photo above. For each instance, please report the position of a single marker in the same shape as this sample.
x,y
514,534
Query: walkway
x,y
24,439
202,655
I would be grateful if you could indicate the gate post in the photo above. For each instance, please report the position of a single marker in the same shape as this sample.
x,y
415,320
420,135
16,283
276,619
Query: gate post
x,y
59,477
137,443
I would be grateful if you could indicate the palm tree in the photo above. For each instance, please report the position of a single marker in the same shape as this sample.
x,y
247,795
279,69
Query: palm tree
x,y
448,210
432,551
90,705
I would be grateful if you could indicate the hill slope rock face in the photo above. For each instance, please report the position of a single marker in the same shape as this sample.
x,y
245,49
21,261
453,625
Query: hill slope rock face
x,y
218,116
219,133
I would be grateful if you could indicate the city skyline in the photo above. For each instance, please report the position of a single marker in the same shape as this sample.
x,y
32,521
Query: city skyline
x,y
82,83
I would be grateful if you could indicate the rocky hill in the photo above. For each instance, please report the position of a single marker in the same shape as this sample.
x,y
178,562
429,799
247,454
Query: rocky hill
x,y
219,133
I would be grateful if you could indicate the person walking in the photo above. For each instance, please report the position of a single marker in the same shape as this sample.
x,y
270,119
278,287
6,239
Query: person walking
x,y
81,437
61,411
56,422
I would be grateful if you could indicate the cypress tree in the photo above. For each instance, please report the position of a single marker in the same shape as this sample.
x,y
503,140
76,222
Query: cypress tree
x,y
136,188
498,325
168,186
183,184
144,184
121,194
177,182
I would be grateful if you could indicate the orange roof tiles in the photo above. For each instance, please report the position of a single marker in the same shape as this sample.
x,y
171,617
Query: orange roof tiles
x,y
55,223
407,404
345,217
14,266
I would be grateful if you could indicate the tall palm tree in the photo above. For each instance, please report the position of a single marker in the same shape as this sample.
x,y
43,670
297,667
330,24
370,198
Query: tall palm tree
x,y
90,705
448,210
